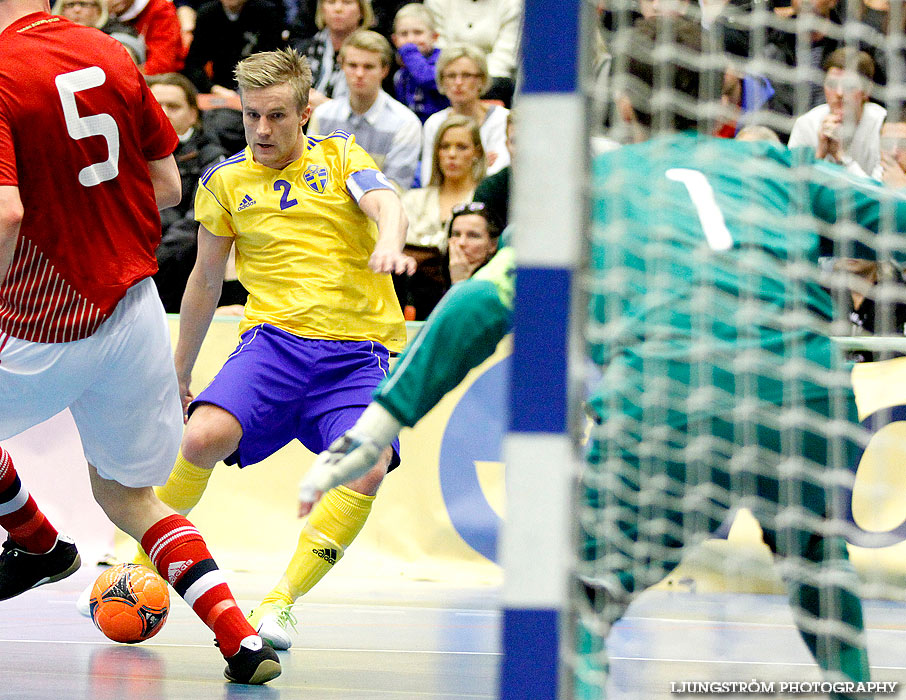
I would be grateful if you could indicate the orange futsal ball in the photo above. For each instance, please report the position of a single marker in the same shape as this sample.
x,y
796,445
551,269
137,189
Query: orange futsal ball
x,y
129,603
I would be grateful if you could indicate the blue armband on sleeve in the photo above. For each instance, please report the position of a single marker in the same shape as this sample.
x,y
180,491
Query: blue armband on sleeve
x,y
364,181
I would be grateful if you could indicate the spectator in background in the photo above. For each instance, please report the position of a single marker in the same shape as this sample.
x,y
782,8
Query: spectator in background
x,y
493,26
93,13
847,128
415,82
893,154
782,46
462,73
757,132
226,31
194,154
494,190
457,165
336,20
155,21
474,235
385,128
867,313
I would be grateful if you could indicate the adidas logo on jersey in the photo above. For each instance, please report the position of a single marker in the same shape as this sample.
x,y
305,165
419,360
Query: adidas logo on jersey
x,y
328,555
246,202
177,568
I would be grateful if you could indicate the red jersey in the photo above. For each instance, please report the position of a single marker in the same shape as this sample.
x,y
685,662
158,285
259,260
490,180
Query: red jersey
x,y
77,127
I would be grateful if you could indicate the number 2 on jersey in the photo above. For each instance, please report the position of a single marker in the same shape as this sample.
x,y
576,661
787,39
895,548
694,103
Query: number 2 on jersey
x,y
709,214
68,84
285,201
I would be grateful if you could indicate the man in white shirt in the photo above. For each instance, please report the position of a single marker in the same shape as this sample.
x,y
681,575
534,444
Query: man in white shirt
x,y
847,128
385,128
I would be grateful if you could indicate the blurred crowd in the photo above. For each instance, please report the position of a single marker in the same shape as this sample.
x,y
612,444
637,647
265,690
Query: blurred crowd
x,y
426,89
825,74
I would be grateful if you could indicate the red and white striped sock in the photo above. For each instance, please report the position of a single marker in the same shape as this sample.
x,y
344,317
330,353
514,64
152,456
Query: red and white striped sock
x,y
19,514
181,556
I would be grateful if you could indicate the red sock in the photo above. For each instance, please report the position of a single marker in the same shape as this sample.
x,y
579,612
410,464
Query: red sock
x,y
19,514
182,557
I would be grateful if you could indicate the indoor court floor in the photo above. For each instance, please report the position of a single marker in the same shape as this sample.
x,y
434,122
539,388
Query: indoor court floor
x,y
405,639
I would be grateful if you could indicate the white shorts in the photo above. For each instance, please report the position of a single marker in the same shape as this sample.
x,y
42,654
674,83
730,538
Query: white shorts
x,y
119,384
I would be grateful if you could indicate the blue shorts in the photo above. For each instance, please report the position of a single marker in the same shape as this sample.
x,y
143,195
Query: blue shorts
x,y
280,387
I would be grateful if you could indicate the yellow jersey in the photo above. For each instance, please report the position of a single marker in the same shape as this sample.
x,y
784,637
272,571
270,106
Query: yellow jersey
x,y
302,242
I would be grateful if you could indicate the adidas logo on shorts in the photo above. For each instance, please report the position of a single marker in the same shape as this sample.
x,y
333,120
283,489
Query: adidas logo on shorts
x,y
328,555
246,202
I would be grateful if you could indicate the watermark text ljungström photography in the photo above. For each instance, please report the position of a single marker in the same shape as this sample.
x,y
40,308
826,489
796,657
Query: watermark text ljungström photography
x,y
783,688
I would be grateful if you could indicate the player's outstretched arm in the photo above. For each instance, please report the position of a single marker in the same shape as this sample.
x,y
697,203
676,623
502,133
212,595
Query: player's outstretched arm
x,y
198,304
384,207
11,213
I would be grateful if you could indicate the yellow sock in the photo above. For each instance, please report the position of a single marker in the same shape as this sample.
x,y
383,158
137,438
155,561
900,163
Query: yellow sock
x,y
181,492
183,489
332,526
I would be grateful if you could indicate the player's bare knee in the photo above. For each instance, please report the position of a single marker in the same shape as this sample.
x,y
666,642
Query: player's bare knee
x,y
210,435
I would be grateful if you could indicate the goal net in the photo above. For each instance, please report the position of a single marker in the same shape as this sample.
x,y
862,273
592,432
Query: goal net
x,y
726,458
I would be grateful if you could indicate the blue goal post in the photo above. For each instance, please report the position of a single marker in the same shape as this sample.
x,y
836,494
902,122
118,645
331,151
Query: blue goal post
x,y
550,177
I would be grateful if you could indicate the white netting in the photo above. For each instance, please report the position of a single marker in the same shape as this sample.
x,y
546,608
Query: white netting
x,y
718,274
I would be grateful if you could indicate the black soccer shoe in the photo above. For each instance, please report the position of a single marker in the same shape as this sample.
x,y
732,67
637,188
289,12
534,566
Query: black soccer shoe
x,y
21,570
255,663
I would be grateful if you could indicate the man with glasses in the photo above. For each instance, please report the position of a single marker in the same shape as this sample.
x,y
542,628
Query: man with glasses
x,y
847,128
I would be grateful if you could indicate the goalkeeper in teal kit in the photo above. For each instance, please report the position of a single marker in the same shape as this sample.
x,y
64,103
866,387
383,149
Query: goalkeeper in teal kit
x,y
720,385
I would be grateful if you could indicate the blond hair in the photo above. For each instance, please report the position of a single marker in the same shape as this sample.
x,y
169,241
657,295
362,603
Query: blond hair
x,y
457,51
269,68
416,11
366,40
364,8
479,165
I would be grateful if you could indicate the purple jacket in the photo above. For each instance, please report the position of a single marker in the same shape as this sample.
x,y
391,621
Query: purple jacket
x,y
415,82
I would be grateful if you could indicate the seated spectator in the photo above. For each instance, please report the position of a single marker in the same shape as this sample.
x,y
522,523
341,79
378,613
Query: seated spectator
x,y
847,128
783,46
336,20
893,154
226,31
494,190
385,128
155,21
494,26
457,166
474,236
868,314
757,132
462,74
415,82
93,13
194,154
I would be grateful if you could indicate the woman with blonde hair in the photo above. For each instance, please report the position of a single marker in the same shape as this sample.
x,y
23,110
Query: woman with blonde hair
x,y
462,75
336,20
457,166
